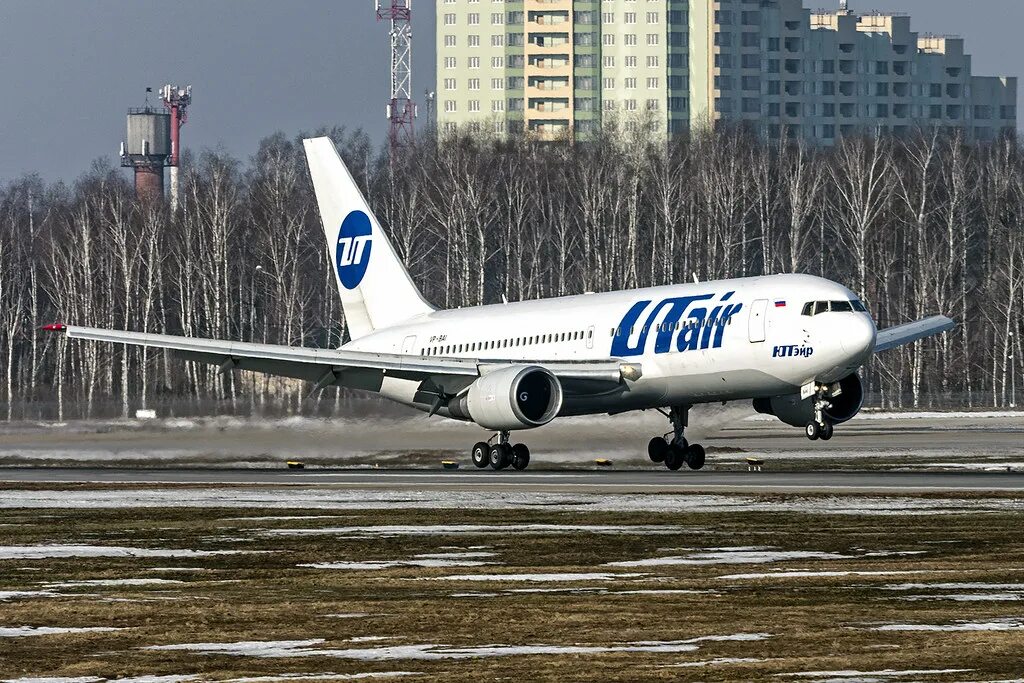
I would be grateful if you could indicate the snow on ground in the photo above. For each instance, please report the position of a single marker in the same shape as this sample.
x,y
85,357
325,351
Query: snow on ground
x,y
848,674
556,576
370,565
742,555
55,679
24,631
718,661
322,677
974,585
306,648
377,499
392,531
58,551
92,583
18,595
966,597
1009,624
796,574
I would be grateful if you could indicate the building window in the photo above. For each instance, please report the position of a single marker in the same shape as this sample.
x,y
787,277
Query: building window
x,y
474,84
497,18
449,62
630,83
608,17
449,84
608,61
608,39
498,40
629,39
497,62
449,20
449,41
652,61
474,105
608,83
497,105
652,105
653,39
474,62
652,84
473,19
473,41
497,84
629,105
449,106
629,18
631,61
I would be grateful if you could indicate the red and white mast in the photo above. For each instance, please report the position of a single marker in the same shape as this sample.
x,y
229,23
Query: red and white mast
x,y
401,109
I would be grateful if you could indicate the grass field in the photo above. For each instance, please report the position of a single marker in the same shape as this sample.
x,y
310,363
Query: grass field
x,y
481,594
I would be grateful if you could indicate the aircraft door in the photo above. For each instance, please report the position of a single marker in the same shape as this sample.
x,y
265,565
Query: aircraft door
x,y
409,344
590,337
758,310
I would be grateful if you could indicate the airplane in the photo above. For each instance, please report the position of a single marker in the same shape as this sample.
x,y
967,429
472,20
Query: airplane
x,y
791,343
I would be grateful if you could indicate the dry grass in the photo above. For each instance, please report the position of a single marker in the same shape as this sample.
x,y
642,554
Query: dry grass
x,y
816,623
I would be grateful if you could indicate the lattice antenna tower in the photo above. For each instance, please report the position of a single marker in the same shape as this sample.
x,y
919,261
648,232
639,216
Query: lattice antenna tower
x,y
401,110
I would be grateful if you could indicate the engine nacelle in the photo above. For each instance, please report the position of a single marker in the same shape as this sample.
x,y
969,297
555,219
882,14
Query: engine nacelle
x,y
846,397
516,397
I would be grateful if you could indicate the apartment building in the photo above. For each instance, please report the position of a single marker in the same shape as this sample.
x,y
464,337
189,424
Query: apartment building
x,y
563,67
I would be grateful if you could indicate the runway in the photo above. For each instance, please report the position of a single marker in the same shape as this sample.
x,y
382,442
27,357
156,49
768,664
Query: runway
x,y
638,481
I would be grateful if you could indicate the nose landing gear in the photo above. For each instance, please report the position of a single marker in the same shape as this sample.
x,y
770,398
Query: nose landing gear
x,y
500,455
819,427
677,452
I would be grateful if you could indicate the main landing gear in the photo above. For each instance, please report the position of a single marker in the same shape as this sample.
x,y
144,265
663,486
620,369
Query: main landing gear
x,y
819,427
502,454
678,451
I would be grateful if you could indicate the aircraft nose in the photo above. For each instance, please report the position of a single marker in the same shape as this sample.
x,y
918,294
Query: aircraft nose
x,y
858,336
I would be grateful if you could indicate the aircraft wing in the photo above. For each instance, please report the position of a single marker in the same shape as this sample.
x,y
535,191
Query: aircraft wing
x,y
355,369
910,332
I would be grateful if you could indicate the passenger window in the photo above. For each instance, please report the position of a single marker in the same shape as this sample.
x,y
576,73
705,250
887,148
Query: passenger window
x,y
820,307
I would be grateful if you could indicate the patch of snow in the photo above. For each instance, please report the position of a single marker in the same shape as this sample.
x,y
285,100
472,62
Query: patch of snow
x,y
884,673
155,679
966,597
392,531
370,565
322,677
57,551
719,661
805,573
25,631
17,595
114,582
347,615
955,586
305,648
995,625
55,679
554,576
454,555
732,556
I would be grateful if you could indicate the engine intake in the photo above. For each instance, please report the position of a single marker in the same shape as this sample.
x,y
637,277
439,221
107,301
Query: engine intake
x,y
846,397
516,397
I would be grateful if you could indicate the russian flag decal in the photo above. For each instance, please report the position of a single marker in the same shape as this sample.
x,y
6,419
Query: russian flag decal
x,y
780,304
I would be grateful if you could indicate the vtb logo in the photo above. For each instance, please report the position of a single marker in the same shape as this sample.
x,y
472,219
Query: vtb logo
x,y
353,251
688,323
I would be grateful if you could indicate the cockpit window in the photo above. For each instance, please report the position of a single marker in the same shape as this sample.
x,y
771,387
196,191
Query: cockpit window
x,y
816,307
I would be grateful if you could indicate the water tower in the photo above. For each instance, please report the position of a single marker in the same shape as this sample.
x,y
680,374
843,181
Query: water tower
x,y
146,149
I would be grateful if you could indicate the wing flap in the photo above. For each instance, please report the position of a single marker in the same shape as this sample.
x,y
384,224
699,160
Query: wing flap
x,y
907,333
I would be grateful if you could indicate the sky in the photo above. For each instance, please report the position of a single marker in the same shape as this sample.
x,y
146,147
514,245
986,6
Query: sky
x,y
69,69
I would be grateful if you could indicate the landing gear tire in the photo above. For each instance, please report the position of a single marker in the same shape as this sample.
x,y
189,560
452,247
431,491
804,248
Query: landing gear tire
x,y
481,454
500,456
827,430
695,456
812,431
675,457
657,448
520,457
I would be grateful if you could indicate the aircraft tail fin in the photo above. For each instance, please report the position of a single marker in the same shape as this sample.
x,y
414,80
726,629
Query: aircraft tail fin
x,y
376,290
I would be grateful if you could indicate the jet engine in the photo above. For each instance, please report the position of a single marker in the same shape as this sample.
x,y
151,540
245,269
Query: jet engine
x,y
846,397
516,397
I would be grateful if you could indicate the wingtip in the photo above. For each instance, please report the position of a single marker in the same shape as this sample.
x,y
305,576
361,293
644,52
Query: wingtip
x,y
54,327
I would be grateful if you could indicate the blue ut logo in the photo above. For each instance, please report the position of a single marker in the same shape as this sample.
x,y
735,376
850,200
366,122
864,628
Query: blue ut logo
x,y
353,252
701,328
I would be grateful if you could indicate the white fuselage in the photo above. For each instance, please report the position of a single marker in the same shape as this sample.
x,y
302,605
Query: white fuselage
x,y
695,343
